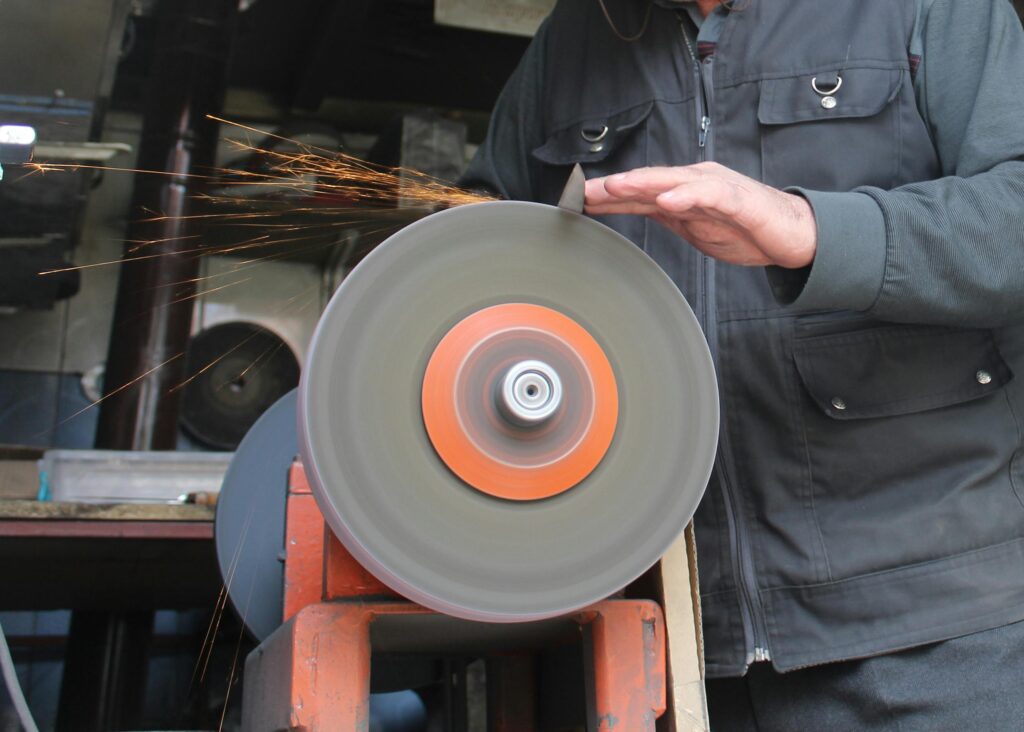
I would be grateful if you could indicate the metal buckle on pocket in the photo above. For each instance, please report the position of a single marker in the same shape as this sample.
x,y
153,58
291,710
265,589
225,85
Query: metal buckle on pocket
x,y
591,136
828,100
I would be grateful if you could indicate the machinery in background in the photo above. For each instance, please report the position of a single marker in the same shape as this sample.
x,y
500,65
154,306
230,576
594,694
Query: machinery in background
x,y
25,257
63,95
53,362
63,101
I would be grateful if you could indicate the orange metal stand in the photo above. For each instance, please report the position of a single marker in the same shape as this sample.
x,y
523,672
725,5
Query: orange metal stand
x,y
313,673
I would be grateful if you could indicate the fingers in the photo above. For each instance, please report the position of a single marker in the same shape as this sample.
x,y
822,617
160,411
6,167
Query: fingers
x,y
623,207
675,190
642,185
704,198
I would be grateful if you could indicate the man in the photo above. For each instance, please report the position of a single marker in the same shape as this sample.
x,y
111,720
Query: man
x,y
838,189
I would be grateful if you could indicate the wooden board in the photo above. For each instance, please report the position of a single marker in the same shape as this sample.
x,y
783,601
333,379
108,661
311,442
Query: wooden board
x,y
681,603
52,510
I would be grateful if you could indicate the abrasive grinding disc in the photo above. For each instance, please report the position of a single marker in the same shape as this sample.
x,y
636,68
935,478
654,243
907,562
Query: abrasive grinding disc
x,y
250,523
508,412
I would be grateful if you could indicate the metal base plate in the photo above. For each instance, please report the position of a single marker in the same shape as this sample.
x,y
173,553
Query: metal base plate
x,y
398,508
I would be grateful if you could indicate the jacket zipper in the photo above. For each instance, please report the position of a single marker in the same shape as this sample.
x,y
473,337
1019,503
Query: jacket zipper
x,y
751,612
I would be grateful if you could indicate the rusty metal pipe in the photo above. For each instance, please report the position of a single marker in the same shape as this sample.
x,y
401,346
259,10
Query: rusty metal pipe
x,y
153,312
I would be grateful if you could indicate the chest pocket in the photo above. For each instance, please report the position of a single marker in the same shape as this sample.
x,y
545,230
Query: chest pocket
x,y
822,133
603,144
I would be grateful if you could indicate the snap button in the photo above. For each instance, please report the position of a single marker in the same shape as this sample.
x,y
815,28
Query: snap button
x,y
594,134
838,403
828,102
596,148
983,377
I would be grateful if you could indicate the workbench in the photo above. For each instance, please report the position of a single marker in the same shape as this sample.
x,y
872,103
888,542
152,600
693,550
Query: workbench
x,y
120,556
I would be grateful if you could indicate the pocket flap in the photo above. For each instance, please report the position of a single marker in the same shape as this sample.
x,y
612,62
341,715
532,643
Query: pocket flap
x,y
864,93
591,140
890,370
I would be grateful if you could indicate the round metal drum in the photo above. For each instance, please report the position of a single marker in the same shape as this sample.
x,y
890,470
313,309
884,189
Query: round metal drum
x,y
240,369
508,412
250,523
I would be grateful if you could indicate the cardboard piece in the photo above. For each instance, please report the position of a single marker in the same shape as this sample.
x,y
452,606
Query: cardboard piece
x,y
688,710
19,479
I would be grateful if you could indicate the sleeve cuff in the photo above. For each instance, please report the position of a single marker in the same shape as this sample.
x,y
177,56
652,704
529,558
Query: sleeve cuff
x,y
849,265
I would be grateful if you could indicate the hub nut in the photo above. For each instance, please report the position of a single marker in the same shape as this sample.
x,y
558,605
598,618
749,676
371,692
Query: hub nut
x,y
530,393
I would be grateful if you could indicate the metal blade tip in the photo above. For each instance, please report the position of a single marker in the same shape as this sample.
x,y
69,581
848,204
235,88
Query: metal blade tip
x,y
574,192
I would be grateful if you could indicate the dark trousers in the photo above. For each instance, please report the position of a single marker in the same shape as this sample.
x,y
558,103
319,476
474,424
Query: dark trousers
x,y
970,683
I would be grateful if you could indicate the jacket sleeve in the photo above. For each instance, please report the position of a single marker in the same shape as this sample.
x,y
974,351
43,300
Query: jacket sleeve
x,y
503,164
950,250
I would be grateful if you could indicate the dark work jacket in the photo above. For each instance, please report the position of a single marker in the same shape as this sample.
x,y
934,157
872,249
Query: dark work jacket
x,y
868,494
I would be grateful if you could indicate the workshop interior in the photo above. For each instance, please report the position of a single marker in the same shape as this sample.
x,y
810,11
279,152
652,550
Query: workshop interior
x,y
295,433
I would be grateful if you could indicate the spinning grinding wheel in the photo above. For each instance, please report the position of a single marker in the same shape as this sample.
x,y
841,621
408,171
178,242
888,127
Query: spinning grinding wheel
x,y
509,412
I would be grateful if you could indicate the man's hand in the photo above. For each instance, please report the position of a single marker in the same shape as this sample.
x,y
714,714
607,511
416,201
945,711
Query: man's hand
x,y
726,215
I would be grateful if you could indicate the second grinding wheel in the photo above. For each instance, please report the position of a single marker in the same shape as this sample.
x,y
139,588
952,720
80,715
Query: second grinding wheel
x,y
508,412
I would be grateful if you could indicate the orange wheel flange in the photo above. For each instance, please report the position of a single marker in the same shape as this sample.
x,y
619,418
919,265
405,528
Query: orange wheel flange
x,y
520,401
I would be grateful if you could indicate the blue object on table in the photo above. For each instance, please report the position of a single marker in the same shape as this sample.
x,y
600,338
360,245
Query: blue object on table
x,y
44,487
